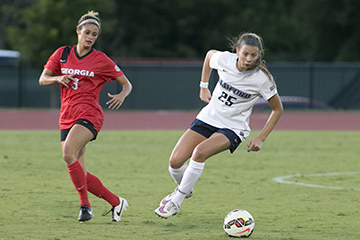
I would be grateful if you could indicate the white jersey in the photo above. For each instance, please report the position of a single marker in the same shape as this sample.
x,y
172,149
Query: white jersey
x,y
235,94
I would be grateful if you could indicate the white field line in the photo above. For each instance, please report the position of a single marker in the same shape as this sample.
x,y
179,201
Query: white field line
x,y
281,180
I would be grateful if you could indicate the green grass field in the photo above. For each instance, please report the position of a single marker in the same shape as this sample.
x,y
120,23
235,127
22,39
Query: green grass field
x,y
38,200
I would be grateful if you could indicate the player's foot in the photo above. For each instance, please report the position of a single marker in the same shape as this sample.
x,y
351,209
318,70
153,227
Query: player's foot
x,y
167,210
118,210
171,195
86,213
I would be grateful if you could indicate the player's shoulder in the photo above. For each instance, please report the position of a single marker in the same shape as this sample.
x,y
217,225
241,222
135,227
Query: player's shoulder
x,y
101,55
261,74
98,53
62,48
59,49
225,55
223,58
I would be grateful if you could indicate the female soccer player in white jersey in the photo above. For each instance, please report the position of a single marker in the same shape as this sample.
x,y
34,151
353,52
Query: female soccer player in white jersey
x,y
82,72
224,122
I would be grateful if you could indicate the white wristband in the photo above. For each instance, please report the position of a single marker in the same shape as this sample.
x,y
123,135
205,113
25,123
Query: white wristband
x,y
204,84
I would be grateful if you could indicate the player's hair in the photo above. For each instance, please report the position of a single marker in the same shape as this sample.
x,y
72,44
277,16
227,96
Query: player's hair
x,y
253,40
90,17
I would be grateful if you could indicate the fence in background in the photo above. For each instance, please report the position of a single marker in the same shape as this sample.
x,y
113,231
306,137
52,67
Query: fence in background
x,y
173,85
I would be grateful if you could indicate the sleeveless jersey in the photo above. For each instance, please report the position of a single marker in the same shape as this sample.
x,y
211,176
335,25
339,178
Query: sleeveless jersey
x,y
81,99
235,94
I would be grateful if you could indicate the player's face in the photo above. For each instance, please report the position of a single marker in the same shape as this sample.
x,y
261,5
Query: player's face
x,y
248,55
87,35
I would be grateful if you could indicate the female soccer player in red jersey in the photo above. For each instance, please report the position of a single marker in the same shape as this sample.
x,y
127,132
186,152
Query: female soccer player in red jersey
x,y
82,72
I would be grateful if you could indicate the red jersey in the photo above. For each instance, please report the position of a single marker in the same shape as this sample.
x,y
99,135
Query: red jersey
x,y
81,99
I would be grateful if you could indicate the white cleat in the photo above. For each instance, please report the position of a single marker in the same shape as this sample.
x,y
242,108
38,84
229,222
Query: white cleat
x,y
118,210
167,210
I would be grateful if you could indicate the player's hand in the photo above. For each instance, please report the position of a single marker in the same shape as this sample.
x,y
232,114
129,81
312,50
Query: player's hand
x,y
254,144
205,95
116,101
66,80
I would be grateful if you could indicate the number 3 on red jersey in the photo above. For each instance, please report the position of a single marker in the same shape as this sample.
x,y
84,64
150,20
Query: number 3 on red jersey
x,y
76,84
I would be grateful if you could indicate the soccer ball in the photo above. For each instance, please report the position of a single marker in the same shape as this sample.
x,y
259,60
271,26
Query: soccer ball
x,y
239,223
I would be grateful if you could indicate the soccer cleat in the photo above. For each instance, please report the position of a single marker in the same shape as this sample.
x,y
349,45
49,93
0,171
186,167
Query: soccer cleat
x,y
118,210
171,195
167,210
86,213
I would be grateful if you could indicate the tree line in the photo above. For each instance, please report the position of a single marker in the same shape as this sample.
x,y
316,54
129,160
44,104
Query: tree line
x,y
292,30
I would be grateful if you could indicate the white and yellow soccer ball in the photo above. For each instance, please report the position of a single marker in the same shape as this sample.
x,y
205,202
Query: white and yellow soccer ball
x,y
239,223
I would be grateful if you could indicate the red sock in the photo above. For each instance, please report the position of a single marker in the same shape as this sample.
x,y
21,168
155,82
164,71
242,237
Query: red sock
x,y
77,176
95,186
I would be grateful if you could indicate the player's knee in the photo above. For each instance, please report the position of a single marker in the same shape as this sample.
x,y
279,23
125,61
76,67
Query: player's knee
x,y
199,154
68,157
175,162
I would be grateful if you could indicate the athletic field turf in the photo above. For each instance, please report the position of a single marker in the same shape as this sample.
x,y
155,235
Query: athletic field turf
x,y
38,200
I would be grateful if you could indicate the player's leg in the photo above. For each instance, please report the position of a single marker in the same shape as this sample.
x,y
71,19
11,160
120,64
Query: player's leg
x,y
205,149
197,132
118,204
72,147
81,158
95,186
215,144
182,152
75,142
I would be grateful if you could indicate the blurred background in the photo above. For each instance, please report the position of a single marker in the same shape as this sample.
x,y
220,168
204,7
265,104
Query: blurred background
x,y
311,47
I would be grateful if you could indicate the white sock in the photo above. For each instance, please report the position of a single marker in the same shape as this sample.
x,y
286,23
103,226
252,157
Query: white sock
x,y
177,174
191,175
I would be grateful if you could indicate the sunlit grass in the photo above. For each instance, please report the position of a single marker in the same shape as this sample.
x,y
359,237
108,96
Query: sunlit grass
x,y
38,200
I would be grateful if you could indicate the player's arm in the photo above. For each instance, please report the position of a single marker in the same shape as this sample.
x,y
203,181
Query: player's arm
x,y
205,94
47,78
117,99
255,144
